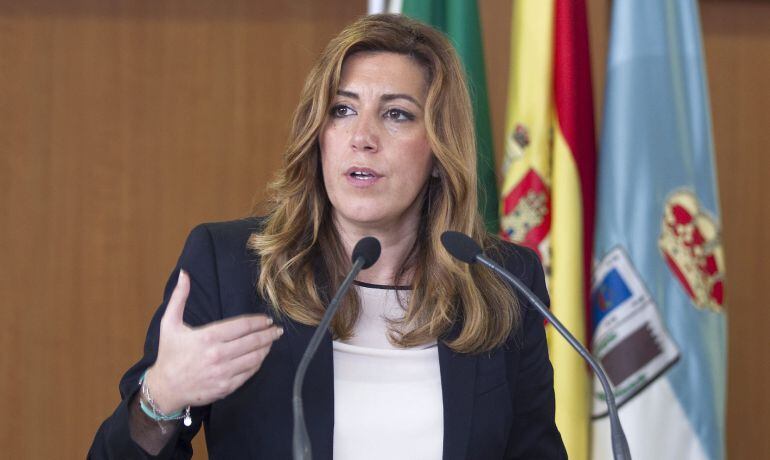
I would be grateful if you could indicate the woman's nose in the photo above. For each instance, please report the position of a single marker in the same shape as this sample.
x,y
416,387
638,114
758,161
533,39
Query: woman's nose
x,y
365,137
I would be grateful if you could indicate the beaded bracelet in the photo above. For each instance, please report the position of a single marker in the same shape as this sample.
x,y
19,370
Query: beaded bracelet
x,y
148,406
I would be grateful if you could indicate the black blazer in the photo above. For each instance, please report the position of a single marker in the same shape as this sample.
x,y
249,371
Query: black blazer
x,y
497,405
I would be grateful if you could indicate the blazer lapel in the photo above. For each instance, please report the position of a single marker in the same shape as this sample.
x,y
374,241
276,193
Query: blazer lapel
x,y
458,379
318,389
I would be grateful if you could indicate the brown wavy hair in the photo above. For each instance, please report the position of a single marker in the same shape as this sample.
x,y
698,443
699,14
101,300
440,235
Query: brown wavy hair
x,y
302,257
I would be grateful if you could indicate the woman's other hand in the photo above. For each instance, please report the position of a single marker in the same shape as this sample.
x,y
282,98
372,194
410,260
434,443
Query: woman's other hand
x,y
197,366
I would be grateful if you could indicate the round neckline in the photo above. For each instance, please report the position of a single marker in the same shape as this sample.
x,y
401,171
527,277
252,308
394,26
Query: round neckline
x,y
382,286
384,352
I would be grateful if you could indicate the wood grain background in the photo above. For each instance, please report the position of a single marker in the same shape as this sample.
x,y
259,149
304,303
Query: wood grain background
x,y
125,123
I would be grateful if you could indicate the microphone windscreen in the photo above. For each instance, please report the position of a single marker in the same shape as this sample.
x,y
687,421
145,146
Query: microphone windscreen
x,y
460,246
369,249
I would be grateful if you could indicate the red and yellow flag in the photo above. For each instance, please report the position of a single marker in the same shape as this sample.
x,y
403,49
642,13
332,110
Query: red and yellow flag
x,y
548,192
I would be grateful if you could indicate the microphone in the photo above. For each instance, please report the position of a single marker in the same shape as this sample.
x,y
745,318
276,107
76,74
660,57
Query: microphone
x,y
463,248
365,254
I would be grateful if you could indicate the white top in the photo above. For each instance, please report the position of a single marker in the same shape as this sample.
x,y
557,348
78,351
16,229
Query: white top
x,y
387,400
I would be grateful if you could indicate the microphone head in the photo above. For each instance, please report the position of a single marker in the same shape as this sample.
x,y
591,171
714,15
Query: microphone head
x,y
369,249
460,246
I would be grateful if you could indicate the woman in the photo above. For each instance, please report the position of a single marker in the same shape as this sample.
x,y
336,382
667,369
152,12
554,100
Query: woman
x,y
427,358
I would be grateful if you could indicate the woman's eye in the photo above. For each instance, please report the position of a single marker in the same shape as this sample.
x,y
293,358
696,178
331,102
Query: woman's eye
x,y
340,111
399,115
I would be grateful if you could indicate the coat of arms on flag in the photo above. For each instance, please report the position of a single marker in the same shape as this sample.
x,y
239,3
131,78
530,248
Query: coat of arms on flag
x,y
526,216
690,244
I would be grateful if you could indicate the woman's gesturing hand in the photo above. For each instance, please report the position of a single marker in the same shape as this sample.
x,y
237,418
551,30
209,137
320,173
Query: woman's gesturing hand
x,y
196,366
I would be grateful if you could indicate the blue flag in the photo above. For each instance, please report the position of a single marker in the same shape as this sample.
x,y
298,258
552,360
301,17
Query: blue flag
x,y
658,284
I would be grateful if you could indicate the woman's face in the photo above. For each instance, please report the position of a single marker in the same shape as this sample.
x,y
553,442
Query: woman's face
x,y
375,153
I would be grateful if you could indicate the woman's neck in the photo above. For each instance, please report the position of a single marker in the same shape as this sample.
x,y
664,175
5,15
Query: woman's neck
x,y
396,242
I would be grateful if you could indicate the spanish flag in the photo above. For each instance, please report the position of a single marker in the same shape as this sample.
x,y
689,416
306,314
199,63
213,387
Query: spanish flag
x,y
547,200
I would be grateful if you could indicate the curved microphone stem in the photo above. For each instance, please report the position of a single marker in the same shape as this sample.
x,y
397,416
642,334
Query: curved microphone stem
x,y
620,449
300,439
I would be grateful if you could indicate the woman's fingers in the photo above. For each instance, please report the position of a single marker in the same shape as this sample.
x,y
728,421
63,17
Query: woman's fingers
x,y
221,364
234,328
249,343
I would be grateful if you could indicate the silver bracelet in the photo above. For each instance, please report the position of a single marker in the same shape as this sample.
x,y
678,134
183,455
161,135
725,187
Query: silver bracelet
x,y
148,406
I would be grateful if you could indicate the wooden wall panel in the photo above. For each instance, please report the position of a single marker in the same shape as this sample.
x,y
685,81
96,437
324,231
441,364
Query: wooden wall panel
x,y
737,43
123,124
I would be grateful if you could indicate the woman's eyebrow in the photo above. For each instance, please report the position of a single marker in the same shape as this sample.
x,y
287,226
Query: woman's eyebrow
x,y
385,97
390,97
350,94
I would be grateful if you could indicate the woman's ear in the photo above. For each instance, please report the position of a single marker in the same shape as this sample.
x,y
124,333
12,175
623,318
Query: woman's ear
x,y
434,171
